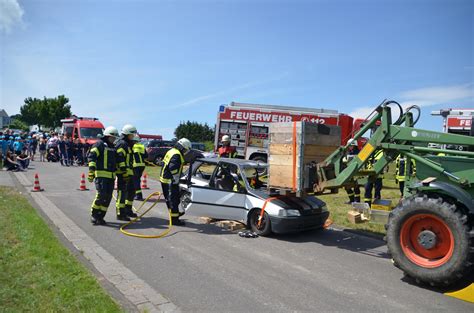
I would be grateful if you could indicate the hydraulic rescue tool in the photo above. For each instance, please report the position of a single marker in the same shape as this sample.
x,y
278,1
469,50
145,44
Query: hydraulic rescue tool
x,y
430,234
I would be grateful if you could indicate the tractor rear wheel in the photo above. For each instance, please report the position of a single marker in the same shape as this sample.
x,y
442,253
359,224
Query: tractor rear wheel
x,y
431,240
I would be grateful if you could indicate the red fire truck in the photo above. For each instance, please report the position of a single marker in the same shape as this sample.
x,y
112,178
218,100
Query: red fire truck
x,y
87,129
247,125
457,121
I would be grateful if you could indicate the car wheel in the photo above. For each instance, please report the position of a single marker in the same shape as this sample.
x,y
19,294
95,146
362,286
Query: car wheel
x,y
265,227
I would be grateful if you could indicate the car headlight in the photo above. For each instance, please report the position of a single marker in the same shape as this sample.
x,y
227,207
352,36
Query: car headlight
x,y
324,208
288,213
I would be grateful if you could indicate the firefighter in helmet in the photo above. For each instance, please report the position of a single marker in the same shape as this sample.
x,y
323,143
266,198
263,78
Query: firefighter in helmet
x,y
139,157
352,193
170,173
125,189
102,167
375,184
226,150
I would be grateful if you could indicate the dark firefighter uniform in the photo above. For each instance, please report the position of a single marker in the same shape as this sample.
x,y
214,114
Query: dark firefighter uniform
x,y
139,156
227,152
125,190
377,185
401,171
172,168
102,167
353,193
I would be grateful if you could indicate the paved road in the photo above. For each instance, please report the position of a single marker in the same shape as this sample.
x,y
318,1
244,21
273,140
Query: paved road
x,y
204,268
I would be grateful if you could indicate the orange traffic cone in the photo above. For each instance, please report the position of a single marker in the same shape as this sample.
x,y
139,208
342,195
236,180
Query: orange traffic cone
x,y
36,186
144,182
82,186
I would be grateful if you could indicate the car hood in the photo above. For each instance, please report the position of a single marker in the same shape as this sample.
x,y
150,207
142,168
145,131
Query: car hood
x,y
291,202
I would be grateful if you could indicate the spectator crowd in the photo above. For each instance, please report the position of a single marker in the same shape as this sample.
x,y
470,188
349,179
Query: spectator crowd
x,y
18,149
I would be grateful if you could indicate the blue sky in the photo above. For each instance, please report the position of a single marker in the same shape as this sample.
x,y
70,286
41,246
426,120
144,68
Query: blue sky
x,y
156,63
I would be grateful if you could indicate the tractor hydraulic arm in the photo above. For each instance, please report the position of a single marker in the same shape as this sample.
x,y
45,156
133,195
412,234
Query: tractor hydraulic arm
x,y
392,139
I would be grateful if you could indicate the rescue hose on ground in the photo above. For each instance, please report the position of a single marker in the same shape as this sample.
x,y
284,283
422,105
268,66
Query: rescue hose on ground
x,y
122,228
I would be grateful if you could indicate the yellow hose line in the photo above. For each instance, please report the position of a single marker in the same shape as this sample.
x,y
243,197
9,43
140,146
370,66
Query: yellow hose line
x,y
122,228
151,164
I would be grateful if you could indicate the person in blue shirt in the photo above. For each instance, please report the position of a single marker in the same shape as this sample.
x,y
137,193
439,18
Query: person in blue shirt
x,y
11,141
17,146
4,144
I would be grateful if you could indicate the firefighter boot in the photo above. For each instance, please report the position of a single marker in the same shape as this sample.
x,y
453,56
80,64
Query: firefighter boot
x,y
101,220
177,222
95,217
129,212
122,216
351,200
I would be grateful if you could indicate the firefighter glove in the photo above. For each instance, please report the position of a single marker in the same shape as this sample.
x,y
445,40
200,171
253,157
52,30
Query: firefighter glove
x,y
126,177
91,176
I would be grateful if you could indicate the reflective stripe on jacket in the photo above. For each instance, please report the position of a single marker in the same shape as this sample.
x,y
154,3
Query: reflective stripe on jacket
x,y
124,157
139,155
401,168
172,165
102,160
377,156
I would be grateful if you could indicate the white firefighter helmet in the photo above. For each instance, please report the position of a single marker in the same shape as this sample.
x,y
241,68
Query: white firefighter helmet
x,y
352,142
130,130
111,131
226,138
185,143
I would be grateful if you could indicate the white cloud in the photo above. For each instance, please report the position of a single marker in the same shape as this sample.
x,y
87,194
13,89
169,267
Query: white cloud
x,y
11,13
362,112
438,95
227,91
425,97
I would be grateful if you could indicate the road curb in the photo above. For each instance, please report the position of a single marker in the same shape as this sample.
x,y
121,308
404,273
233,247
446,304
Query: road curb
x,y
134,289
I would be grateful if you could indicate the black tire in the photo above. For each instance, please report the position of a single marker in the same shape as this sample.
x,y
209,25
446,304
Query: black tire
x,y
442,271
265,228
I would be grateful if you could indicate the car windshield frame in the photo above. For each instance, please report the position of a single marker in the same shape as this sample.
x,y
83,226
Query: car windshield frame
x,y
255,167
83,132
192,171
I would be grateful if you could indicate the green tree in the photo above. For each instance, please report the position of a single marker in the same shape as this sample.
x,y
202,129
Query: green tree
x,y
29,112
47,112
194,131
16,123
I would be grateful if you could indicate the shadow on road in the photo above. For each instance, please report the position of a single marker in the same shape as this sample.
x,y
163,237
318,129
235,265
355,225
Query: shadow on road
x,y
340,239
329,237
159,225
463,283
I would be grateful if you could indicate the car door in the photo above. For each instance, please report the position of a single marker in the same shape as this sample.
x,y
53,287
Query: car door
x,y
219,201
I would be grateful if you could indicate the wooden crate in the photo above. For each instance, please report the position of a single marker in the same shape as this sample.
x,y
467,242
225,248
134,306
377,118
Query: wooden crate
x,y
314,142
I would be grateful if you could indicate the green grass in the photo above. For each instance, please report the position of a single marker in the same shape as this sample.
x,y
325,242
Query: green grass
x,y
153,172
37,273
338,208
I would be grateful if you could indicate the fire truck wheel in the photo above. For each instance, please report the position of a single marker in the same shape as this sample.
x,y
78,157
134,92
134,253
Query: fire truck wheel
x,y
431,240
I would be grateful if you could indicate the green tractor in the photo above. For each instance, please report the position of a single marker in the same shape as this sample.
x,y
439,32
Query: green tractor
x,y
430,234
